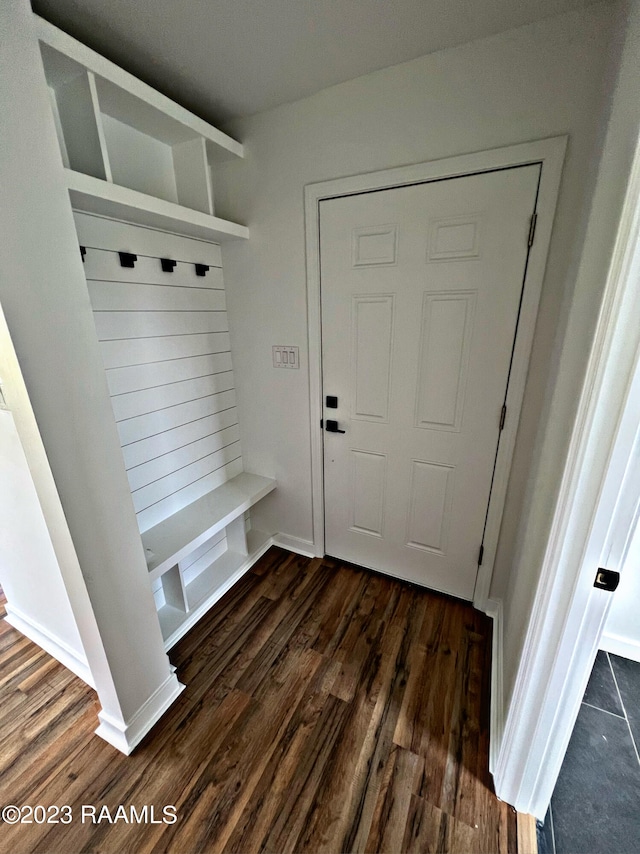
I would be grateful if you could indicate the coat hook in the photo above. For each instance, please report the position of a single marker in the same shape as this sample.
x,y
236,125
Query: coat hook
x,y
201,269
167,264
83,252
127,259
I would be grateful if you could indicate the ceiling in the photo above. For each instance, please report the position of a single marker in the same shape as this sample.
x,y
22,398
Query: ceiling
x,y
228,58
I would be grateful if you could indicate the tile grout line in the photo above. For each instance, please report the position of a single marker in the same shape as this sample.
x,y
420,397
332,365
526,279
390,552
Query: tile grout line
x,y
624,708
606,711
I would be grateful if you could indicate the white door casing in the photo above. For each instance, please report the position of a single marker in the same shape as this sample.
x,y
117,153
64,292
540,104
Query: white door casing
x,y
421,289
596,508
550,154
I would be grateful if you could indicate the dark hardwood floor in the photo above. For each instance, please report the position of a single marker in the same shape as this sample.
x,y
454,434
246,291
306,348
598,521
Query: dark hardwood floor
x,y
327,709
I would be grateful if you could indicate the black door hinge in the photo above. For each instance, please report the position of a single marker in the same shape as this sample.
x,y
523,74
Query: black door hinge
x,y
503,416
480,555
532,229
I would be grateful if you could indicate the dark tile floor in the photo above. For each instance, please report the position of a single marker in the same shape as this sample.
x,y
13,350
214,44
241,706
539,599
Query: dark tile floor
x,y
595,808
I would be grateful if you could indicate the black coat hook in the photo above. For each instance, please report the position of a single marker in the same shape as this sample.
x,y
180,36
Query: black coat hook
x,y
167,264
127,259
201,269
83,252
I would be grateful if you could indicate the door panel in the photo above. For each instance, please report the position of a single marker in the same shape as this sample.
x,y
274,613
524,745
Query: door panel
x,y
429,506
445,339
368,478
420,289
371,352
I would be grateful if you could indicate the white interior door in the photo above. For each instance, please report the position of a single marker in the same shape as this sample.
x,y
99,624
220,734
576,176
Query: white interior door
x,y
421,288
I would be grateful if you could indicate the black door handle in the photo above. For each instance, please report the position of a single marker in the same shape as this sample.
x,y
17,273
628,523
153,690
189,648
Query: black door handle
x,y
332,427
607,579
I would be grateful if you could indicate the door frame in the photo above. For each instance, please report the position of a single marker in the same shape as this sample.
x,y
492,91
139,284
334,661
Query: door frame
x,y
547,152
597,505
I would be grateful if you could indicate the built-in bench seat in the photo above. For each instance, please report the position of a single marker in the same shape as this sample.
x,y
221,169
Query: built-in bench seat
x,y
197,554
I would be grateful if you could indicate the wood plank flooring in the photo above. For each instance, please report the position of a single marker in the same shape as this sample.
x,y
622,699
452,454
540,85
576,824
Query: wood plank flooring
x,y
327,709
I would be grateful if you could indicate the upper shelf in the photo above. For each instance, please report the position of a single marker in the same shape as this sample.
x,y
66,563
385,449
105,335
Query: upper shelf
x,y
128,99
93,195
129,152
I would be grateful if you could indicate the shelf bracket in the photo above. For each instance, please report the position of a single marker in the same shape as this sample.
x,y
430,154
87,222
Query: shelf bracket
x,y
127,259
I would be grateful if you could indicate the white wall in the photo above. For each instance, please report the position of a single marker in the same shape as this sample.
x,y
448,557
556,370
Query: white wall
x,y
622,629
569,364
537,81
29,572
60,582
56,387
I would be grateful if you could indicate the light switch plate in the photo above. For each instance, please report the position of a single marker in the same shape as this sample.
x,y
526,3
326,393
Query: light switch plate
x,y
285,356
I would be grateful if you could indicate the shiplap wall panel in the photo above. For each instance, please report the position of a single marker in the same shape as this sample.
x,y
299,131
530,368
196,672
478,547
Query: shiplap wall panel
x,y
150,324
148,271
206,547
165,344
137,403
143,351
157,513
158,593
124,296
97,232
144,450
154,423
154,470
155,374
146,496
205,561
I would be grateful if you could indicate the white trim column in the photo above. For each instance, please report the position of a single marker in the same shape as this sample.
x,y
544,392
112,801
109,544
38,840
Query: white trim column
x,y
55,385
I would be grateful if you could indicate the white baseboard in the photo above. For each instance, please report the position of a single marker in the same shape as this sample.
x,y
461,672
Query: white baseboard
x,y
624,647
494,610
57,648
306,548
125,736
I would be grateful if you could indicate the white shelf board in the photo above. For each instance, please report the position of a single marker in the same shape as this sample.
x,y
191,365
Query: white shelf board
x,y
170,620
228,568
175,537
92,195
256,540
59,68
213,578
218,574
165,117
